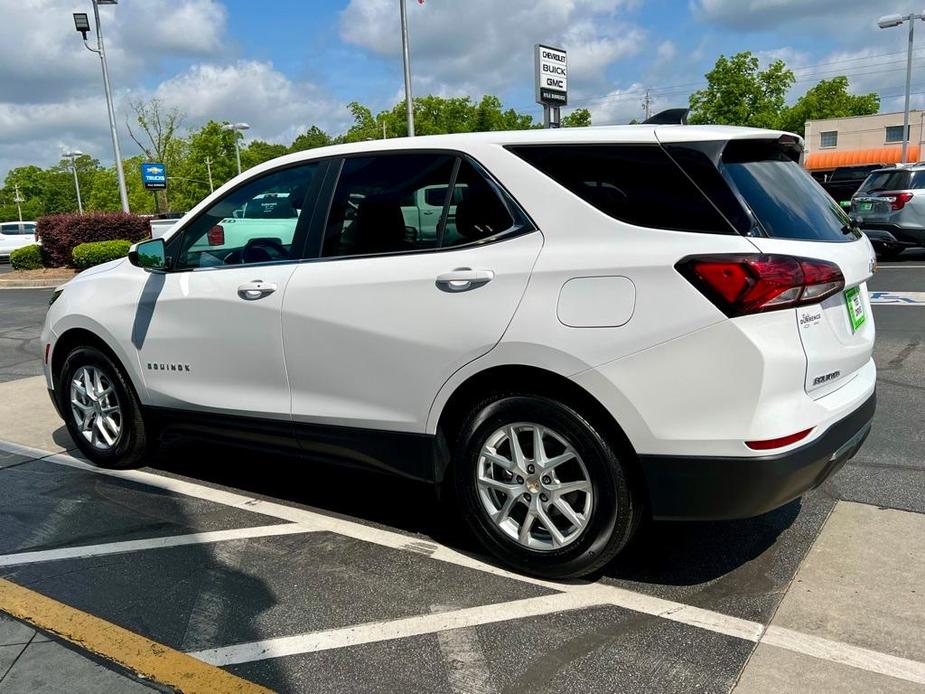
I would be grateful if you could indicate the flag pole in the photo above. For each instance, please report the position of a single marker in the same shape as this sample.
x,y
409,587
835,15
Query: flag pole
x,y
406,55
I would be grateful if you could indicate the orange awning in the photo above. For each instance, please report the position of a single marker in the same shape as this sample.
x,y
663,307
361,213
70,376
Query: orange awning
x,y
823,161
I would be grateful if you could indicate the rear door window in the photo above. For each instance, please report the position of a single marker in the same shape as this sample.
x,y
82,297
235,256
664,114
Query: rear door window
x,y
637,184
888,180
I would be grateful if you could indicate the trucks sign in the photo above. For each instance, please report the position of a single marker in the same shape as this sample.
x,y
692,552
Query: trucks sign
x,y
154,176
551,75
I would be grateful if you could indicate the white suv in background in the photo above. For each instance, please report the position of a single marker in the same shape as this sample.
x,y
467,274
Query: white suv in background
x,y
15,235
614,322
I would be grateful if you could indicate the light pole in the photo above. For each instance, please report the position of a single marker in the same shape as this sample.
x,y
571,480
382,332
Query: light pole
x,y
235,127
82,24
73,157
895,20
406,57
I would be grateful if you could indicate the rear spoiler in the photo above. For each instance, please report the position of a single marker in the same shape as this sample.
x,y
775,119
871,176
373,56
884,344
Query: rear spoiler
x,y
671,116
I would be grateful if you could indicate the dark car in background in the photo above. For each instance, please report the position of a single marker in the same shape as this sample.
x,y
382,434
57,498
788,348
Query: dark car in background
x,y
845,181
890,208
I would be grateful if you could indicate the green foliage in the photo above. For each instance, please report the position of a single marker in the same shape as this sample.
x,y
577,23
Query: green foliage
x,y
259,151
311,138
579,118
27,258
738,93
98,252
828,99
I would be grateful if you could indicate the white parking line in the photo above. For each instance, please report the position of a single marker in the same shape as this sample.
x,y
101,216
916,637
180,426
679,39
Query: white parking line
x,y
846,654
578,594
84,551
399,628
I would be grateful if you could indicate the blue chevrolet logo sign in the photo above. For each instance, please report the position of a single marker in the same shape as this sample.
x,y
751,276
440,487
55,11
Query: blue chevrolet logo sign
x,y
154,176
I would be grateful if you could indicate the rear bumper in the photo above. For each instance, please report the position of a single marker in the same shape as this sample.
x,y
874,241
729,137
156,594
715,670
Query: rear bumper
x,y
704,488
893,234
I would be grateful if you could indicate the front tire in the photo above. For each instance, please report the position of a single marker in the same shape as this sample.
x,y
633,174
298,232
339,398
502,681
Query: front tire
x,y
542,488
101,411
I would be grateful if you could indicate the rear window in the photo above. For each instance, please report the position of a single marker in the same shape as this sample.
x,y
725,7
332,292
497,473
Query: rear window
x,y
893,180
786,202
637,184
853,173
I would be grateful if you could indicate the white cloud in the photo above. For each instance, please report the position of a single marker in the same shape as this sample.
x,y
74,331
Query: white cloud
x,y
761,15
487,46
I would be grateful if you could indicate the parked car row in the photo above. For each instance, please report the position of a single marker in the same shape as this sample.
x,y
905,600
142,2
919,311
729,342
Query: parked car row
x,y
889,207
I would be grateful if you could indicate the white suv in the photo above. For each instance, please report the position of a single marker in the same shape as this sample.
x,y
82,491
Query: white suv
x,y
615,322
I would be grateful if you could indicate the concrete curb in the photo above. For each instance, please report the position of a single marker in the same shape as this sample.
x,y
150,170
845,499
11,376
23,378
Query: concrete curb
x,y
32,284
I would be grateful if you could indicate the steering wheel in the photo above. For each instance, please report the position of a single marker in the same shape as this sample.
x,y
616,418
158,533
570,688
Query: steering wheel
x,y
263,250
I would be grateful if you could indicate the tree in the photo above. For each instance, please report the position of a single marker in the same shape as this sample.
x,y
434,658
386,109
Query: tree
x,y
158,135
311,138
828,99
211,148
259,151
579,118
738,93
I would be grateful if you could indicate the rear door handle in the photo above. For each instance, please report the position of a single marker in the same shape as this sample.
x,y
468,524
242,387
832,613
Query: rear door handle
x,y
463,279
251,291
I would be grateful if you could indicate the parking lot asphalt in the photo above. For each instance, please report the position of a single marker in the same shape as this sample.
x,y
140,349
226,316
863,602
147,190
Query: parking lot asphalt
x,y
321,579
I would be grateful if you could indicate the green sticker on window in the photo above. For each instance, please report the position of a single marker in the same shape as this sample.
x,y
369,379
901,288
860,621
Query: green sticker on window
x,y
855,308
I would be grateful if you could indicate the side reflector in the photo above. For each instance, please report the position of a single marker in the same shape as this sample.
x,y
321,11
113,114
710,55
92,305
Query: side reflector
x,y
778,443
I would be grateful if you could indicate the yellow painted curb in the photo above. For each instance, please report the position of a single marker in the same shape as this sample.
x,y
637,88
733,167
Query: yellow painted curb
x,y
148,658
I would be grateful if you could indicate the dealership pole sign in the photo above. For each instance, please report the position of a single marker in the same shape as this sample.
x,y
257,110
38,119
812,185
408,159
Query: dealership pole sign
x,y
154,176
551,76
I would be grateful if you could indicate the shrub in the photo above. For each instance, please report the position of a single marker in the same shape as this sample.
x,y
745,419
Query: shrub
x,y
61,233
98,252
27,258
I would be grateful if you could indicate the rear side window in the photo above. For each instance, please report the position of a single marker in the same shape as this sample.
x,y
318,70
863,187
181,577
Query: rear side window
x,y
637,184
784,199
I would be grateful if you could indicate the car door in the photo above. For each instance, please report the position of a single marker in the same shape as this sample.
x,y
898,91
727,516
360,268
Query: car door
x,y
208,332
382,318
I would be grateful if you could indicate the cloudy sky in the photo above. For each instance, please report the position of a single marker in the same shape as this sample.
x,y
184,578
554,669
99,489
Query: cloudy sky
x,y
286,64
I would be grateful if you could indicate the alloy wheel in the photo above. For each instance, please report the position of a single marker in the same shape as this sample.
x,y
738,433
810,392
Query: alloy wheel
x,y
96,408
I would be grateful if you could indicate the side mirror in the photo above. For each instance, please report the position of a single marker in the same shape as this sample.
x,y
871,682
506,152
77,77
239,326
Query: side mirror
x,y
149,255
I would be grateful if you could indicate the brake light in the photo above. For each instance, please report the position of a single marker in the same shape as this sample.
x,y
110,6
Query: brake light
x,y
897,200
739,285
778,443
217,235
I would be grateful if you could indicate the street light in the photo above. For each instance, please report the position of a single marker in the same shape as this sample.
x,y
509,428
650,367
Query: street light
x,y
406,60
235,127
73,157
82,24
895,20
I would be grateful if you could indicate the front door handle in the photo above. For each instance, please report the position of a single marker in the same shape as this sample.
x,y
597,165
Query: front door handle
x,y
463,279
251,291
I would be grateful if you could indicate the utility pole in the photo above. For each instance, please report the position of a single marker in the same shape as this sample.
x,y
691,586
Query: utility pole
x,y
72,155
209,169
18,199
647,104
406,56
384,136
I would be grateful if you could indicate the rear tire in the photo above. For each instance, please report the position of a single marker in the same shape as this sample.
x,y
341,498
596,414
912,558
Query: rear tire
x,y
101,411
499,496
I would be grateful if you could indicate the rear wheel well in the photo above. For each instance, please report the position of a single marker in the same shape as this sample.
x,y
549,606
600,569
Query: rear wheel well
x,y
530,380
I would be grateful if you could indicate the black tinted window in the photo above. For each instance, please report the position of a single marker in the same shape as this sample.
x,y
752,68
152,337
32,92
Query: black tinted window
x,y
638,184
477,210
787,202
893,180
381,204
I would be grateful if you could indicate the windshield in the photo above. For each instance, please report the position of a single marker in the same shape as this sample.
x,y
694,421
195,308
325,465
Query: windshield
x,y
893,180
785,200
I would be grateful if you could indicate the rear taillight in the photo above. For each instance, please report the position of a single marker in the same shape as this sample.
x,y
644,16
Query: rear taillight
x,y
897,200
217,235
742,284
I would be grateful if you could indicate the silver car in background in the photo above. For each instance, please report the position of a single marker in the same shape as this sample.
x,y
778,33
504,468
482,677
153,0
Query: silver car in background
x,y
890,208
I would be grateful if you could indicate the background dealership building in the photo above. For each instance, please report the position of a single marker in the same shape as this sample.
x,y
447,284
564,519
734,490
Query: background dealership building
x,y
857,140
